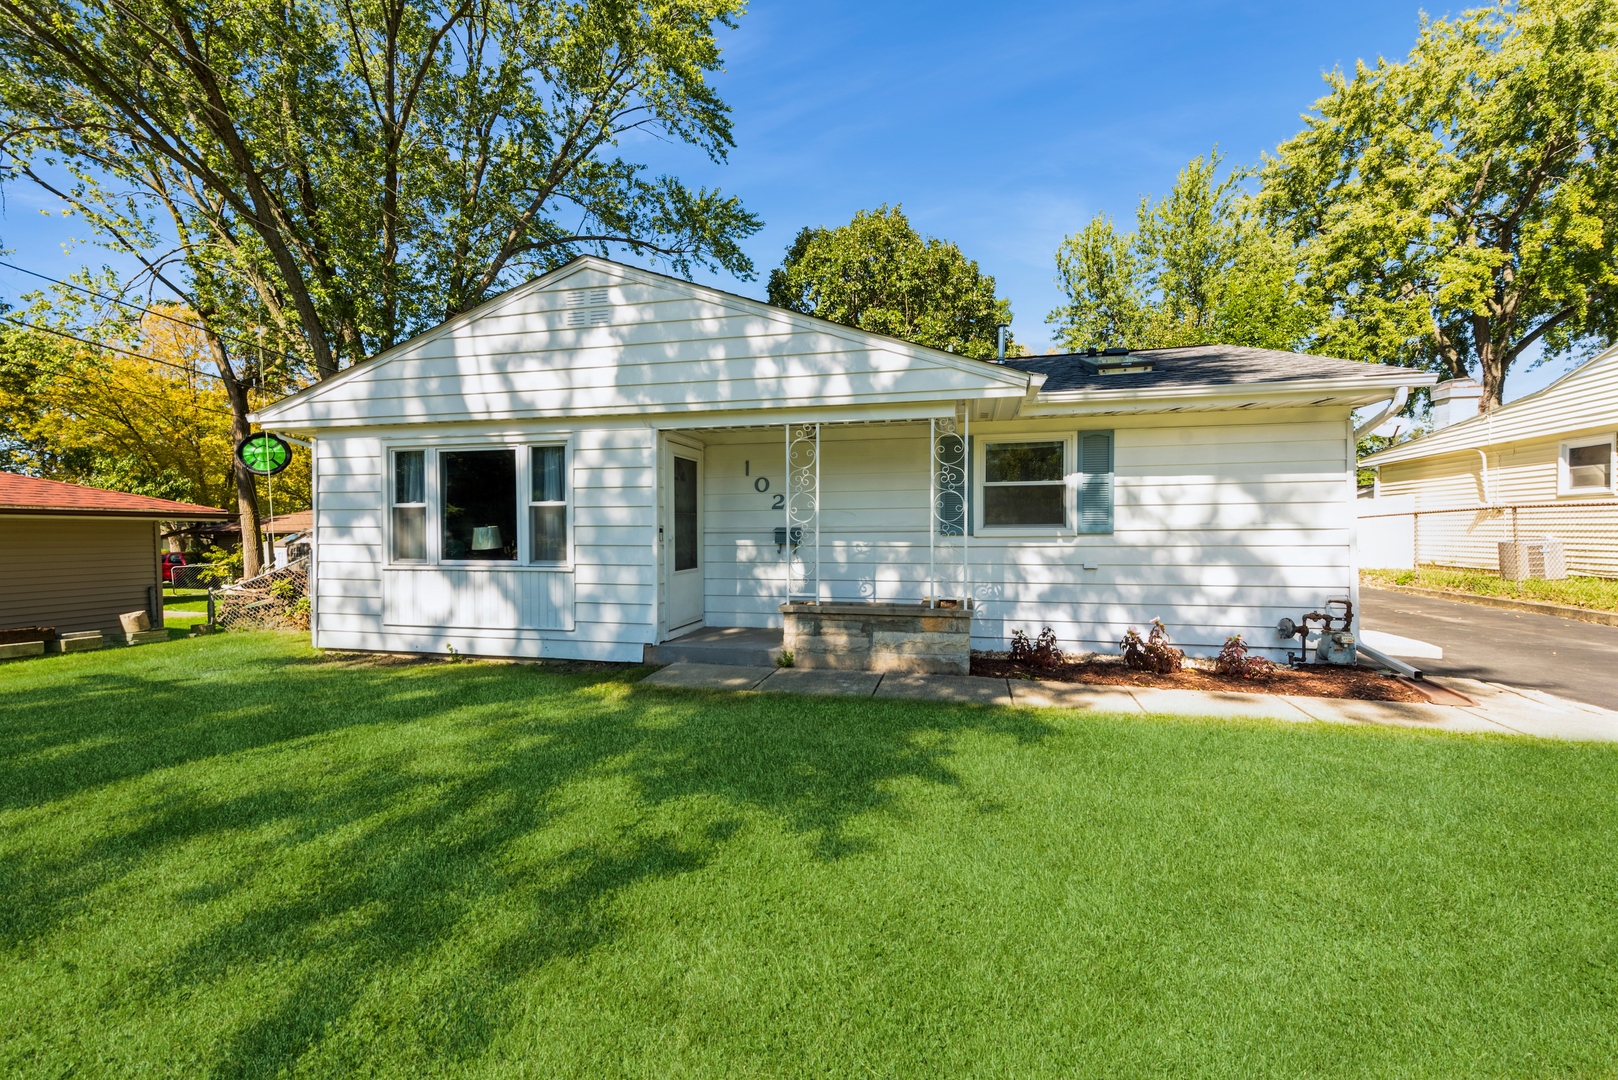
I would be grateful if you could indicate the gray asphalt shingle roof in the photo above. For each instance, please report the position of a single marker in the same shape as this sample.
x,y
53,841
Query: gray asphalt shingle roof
x,y
1191,365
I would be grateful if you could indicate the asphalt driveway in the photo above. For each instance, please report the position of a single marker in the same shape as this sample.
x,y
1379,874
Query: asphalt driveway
x,y
1541,652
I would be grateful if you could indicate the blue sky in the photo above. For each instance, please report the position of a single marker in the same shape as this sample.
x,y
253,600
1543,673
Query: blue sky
x,y
1000,127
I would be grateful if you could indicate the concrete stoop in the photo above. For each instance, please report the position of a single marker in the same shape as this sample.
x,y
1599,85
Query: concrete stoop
x,y
1493,708
735,646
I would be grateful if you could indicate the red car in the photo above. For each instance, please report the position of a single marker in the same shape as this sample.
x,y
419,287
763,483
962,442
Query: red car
x,y
171,559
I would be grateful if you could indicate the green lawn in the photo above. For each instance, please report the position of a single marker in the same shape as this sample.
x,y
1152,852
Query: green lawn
x,y
182,607
1588,592
230,857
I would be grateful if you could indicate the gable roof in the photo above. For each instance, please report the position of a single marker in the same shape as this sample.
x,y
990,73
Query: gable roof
x,y
1585,398
31,495
597,337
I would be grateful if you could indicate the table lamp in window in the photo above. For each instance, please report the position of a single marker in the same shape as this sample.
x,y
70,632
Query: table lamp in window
x,y
486,538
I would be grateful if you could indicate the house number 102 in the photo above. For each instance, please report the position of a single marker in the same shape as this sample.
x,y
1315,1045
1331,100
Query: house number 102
x,y
762,486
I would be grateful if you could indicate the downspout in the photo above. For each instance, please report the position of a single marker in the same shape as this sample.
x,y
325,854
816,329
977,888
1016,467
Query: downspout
x,y
1400,396
1483,474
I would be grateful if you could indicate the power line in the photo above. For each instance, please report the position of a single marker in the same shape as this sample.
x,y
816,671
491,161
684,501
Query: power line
x,y
137,307
126,352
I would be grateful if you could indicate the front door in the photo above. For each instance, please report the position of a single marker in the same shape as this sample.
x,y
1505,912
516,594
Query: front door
x,y
682,539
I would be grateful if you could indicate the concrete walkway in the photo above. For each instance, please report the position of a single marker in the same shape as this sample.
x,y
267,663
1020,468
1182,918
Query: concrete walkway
x,y
1498,709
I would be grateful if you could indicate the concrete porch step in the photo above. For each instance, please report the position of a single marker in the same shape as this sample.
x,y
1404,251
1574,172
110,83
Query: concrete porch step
x,y
735,646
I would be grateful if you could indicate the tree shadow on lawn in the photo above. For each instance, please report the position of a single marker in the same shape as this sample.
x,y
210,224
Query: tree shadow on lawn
x,y
373,848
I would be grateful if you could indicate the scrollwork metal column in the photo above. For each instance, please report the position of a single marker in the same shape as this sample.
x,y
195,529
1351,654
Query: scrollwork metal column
x,y
802,509
947,506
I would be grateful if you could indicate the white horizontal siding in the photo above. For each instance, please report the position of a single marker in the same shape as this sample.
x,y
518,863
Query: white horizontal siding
x,y
669,346
600,609
1582,402
1207,535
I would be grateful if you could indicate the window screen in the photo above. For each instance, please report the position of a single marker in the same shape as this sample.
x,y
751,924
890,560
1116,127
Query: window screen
x,y
685,514
1589,466
1023,485
1095,482
409,505
480,504
547,506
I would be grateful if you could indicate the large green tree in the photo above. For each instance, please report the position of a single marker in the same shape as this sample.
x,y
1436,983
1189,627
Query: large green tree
x,y
879,274
1461,205
360,169
1201,266
318,179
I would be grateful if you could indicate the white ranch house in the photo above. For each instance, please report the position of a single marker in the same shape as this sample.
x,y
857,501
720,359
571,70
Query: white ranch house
x,y
606,459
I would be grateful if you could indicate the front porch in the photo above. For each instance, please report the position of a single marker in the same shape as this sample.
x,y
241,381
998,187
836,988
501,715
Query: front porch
x,y
842,535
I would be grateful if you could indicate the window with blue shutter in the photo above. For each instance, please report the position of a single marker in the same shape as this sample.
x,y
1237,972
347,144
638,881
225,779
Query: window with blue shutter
x,y
1095,482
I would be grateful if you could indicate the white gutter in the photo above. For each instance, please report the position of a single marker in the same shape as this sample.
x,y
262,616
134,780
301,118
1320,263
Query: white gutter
x,y
1400,396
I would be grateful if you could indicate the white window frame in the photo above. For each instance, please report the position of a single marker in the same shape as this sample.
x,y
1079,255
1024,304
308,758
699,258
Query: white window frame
x,y
980,449
526,485
389,478
1564,469
523,448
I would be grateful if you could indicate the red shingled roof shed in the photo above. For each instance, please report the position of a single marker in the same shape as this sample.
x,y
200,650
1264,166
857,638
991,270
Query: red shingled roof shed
x,y
78,557
31,495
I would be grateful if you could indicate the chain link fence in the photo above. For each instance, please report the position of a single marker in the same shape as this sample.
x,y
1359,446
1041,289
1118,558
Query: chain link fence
x,y
192,576
275,600
1470,537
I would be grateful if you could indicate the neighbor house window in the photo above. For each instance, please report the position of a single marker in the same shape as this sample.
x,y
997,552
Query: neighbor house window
x,y
547,505
1023,484
1587,467
480,504
409,505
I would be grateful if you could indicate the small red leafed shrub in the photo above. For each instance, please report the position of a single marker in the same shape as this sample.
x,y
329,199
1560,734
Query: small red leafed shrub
x,y
1040,652
1234,659
1153,652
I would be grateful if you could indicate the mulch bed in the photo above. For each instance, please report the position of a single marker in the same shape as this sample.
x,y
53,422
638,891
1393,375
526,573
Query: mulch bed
x,y
1313,681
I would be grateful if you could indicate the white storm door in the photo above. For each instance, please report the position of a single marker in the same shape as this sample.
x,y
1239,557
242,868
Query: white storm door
x,y
682,538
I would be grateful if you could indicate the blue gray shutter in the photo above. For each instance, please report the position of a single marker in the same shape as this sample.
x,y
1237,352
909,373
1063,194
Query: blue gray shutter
x,y
1095,482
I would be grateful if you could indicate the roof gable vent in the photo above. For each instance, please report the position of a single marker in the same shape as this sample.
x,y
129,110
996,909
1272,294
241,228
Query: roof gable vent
x,y
588,307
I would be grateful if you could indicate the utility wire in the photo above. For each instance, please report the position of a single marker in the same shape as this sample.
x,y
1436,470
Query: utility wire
x,y
101,345
126,352
137,307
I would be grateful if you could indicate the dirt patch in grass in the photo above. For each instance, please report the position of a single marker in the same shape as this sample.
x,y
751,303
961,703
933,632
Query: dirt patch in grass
x,y
1334,682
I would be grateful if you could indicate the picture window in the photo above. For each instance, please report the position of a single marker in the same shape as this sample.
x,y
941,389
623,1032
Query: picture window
x,y
479,505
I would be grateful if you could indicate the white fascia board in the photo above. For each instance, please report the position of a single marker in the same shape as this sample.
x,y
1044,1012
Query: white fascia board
x,y
1000,380
528,424
926,400
1355,392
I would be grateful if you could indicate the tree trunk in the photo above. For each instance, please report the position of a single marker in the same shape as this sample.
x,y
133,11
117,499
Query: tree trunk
x,y
246,490
1493,359
1492,367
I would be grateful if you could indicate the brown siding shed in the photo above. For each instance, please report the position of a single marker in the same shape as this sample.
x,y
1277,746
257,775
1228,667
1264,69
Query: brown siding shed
x,y
75,558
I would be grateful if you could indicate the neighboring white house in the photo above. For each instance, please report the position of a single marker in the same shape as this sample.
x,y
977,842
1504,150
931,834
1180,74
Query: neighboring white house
x,y
605,458
1543,465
